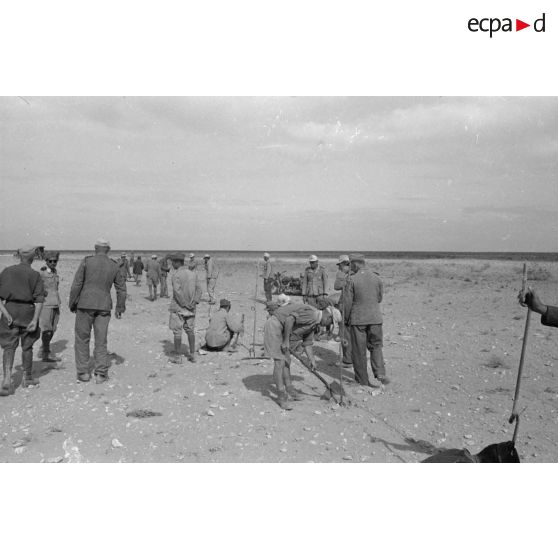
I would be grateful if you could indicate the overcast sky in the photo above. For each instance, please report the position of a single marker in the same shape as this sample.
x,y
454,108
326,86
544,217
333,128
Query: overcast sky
x,y
286,173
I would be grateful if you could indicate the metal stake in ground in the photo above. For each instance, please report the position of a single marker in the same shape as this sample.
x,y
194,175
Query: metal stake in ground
x,y
252,349
514,415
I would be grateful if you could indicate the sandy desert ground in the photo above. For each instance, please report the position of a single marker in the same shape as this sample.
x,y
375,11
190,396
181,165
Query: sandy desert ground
x,y
453,332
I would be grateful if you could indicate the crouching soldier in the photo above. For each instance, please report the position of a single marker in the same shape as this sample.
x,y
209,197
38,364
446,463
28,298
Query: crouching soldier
x,y
223,330
48,321
22,294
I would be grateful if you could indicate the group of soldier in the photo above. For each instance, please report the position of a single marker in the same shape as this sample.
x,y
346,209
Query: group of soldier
x,y
30,309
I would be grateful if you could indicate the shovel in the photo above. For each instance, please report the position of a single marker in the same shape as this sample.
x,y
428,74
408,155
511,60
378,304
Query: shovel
x,y
329,393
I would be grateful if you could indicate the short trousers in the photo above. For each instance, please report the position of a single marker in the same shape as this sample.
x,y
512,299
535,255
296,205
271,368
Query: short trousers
x,y
178,322
10,336
48,320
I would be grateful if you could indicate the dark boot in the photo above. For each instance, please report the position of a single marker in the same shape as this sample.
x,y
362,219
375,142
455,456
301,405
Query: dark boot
x,y
27,362
283,401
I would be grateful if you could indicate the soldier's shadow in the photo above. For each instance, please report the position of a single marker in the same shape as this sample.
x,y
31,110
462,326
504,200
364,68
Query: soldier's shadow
x,y
264,384
326,359
168,347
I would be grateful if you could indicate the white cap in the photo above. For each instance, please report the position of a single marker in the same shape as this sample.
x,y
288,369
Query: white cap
x,y
192,255
266,255
102,242
313,258
344,258
207,256
283,299
154,257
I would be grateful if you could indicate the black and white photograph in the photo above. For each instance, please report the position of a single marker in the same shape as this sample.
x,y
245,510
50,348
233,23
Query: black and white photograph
x,y
279,279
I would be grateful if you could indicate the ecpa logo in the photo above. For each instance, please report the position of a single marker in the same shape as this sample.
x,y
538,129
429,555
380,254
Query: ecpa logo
x,y
493,25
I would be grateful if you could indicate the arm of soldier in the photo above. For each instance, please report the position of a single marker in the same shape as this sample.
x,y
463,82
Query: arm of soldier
x,y
348,295
198,292
324,279
310,354
287,329
5,313
304,287
120,286
33,324
39,294
76,287
233,324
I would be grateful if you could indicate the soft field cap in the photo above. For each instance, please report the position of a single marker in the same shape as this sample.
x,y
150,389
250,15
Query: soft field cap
x,y
266,255
192,255
27,250
102,242
313,258
283,299
343,259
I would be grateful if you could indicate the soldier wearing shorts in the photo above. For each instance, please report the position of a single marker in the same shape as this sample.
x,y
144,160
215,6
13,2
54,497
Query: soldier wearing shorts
x,y
22,294
48,321
186,295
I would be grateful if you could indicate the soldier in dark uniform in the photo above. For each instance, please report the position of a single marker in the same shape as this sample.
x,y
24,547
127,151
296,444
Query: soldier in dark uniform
x,y
91,301
138,270
48,322
22,293
165,268
267,274
341,280
153,276
124,266
361,301
314,282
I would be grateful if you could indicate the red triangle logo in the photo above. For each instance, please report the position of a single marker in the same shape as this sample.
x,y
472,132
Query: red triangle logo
x,y
519,25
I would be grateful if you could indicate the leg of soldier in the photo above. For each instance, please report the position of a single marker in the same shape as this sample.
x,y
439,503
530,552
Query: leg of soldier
x,y
211,282
267,289
293,393
346,337
164,291
278,378
154,290
84,322
374,344
150,287
358,354
8,365
189,325
175,325
100,353
27,341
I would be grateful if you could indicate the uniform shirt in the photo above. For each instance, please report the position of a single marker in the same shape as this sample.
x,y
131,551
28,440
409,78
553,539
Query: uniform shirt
x,y
138,267
304,314
192,265
314,281
362,297
186,291
165,267
267,269
92,283
221,326
211,269
21,283
51,281
153,270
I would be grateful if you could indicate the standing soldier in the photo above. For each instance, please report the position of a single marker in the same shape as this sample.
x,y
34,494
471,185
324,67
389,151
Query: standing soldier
x,y
131,265
165,268
341,280
361,301
314,282
22,294
124,266
211,273
267,276
186,295
50,314
192,263
91,301
138,270
153,276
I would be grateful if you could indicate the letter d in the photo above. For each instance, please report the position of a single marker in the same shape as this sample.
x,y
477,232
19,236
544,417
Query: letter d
x,y
542,21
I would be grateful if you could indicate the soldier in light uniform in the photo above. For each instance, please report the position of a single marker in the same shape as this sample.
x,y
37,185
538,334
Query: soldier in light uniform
x,y
124,266
165,268
361,300
314,282
192,263
22,294
341,280
267,274
90,299
137,268
153,276
186,295
223,328
50,314
211,274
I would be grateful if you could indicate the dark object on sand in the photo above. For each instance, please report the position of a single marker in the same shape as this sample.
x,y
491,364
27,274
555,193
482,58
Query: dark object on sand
x,y
143,413
494,453
286,284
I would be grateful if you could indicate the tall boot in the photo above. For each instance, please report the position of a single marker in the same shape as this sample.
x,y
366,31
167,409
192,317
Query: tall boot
x,y
177,358
8,364
27,361
192,345
46,355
